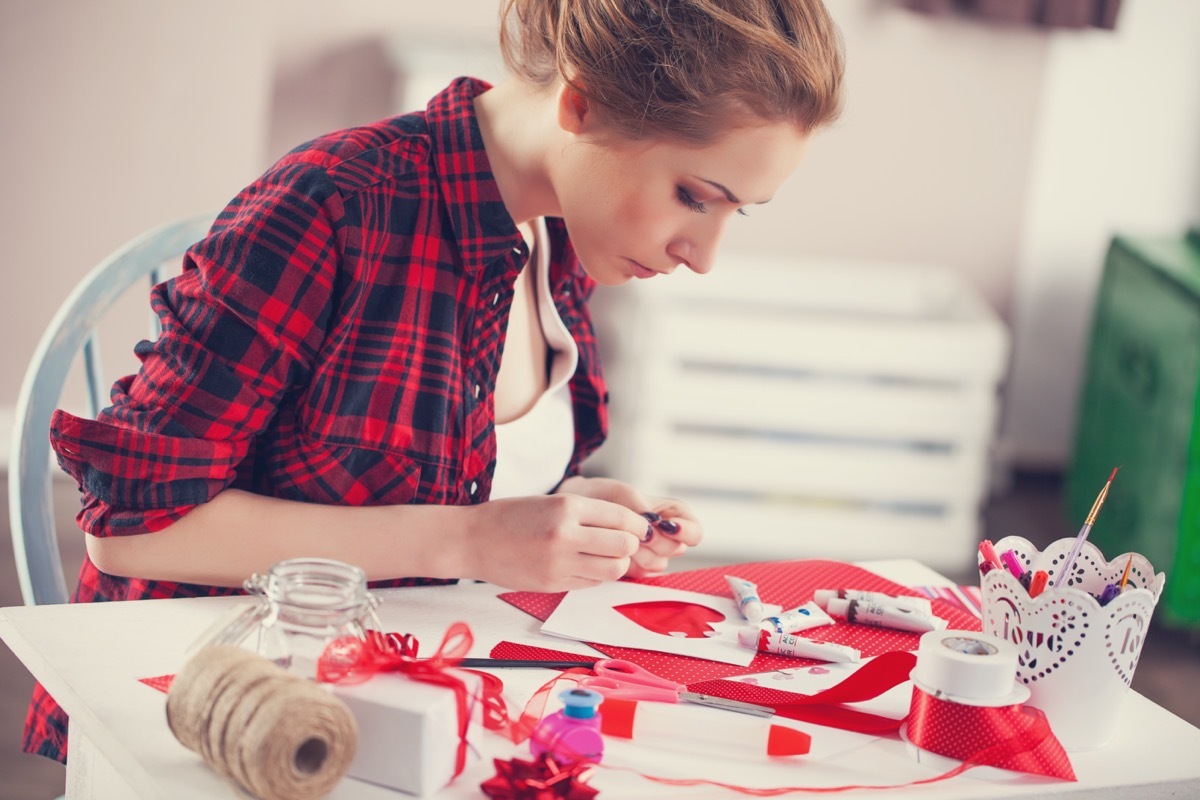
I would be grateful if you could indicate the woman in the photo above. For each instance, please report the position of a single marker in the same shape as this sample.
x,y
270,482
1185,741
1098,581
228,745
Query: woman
x,y
382,354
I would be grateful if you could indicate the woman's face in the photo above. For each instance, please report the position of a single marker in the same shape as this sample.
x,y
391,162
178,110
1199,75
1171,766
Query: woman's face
x,y
640,209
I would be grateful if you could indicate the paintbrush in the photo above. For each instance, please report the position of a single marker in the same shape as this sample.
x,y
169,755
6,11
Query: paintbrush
x,y
1084,531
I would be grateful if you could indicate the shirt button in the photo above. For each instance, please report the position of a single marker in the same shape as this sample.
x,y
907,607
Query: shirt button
x,y
496,299
477,391
474,487
517,250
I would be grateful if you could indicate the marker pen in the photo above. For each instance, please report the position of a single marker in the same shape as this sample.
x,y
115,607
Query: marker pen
x,y
1014,565
885,616
988,551
746,595
822,597
809,615
786,644
693,729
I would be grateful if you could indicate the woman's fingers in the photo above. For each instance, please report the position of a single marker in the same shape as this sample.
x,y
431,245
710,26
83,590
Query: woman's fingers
x,y
606,543
600,568
649,561
675,521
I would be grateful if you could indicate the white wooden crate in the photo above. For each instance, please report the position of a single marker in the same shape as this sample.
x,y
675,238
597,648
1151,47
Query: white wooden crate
x,y
808,410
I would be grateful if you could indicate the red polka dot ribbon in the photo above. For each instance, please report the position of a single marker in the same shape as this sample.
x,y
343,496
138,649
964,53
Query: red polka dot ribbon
x,y
1010,737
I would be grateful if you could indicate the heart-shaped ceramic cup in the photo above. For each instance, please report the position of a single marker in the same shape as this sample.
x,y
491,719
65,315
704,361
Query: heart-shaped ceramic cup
x,y
1076,656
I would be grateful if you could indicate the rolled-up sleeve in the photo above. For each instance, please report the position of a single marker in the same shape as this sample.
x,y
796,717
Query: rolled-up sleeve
x,y
242,325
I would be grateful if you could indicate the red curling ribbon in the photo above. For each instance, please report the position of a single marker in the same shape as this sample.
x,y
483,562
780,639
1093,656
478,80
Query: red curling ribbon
x,y
495,715
351,660
543,778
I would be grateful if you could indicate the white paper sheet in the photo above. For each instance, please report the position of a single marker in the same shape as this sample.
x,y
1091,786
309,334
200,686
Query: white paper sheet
x,y
830,742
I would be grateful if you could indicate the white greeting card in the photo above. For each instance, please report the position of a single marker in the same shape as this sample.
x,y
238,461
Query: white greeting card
x,y
653,618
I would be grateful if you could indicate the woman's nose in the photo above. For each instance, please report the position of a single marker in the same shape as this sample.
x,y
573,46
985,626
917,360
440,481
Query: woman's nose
x,y
686,253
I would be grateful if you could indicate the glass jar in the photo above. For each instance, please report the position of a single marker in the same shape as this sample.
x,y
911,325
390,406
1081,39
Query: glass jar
x,y
303,604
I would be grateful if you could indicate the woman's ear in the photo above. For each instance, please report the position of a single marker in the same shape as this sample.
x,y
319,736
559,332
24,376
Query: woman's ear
x,y
574,112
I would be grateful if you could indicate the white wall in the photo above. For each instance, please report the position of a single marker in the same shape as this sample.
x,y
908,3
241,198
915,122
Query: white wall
x,y
122,114
115,117
1118,152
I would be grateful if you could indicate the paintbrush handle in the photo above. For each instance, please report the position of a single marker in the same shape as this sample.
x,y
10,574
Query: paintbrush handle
x,y
1074,554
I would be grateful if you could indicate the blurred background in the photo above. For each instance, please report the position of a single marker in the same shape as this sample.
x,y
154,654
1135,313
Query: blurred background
x,y
890,359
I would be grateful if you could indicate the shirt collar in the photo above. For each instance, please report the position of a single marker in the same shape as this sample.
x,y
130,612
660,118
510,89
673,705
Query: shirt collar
x,y
482,225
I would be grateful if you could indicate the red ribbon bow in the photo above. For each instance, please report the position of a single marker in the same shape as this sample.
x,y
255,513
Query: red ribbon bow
x,y
540,779
350,660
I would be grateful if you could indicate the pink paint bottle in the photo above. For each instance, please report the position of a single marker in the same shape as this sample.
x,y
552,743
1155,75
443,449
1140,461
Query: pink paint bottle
x,y
573,734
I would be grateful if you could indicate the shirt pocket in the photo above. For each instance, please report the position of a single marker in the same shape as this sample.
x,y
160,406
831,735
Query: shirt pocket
x,y
319,471
397,414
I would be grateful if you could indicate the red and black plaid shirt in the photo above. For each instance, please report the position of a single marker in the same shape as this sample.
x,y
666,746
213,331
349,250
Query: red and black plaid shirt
x,y
335,339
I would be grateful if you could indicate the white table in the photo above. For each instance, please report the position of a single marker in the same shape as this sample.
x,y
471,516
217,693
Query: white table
x,y
90,656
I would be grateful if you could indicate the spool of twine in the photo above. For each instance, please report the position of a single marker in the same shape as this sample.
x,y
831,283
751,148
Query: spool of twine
x,y
274,734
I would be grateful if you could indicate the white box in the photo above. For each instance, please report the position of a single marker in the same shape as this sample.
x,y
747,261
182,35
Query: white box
x,y
408,730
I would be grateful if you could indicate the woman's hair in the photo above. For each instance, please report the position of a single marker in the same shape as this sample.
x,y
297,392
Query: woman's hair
x,y
682,69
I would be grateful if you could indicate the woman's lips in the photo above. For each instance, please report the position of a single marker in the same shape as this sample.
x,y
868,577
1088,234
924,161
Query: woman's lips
x,y
639,271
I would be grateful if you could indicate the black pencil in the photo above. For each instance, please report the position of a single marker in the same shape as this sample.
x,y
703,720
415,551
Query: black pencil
x,y
520,662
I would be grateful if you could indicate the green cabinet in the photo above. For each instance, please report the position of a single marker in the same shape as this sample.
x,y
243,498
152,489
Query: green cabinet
x,y
1139,411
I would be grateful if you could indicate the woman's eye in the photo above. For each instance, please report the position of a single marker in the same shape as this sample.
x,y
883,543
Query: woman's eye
x,y
688,200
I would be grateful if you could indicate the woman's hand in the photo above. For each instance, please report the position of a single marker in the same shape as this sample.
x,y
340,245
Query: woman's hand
x,y
675,530
551,543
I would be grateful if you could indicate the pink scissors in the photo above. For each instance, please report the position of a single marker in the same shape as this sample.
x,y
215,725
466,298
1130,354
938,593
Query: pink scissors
x,y
618,679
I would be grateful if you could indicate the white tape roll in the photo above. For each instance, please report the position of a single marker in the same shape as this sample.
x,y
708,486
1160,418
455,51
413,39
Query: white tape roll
x,y
970,668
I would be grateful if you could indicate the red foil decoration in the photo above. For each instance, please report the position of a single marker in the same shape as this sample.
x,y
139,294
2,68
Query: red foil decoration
x,y
543,778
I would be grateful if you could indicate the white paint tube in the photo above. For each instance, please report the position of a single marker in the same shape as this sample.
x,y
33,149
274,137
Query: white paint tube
x,y
822,597
881,615
809,615
745,594
786,644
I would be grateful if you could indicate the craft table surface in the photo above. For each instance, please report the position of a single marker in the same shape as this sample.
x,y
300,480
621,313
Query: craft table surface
x,y
89,657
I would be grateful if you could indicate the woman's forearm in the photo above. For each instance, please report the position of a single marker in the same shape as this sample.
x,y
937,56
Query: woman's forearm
x,y
237,533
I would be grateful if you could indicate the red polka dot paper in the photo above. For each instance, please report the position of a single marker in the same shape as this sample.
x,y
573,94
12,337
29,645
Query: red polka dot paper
x,y
787,583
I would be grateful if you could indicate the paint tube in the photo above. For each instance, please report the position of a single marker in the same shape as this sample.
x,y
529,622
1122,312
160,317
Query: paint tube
x,y
882,615
822,597
745,594
786,644
809,615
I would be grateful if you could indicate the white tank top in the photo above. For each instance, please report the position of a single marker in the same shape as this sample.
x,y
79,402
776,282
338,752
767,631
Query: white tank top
x,y
533,450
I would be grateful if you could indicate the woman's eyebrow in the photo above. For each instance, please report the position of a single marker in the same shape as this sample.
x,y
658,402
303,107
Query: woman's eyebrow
x,y
730,196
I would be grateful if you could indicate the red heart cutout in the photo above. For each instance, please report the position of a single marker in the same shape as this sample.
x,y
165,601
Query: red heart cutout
x,y
673,617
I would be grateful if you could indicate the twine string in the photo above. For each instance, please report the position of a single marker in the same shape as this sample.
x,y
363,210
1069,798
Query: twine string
x,y
275,735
